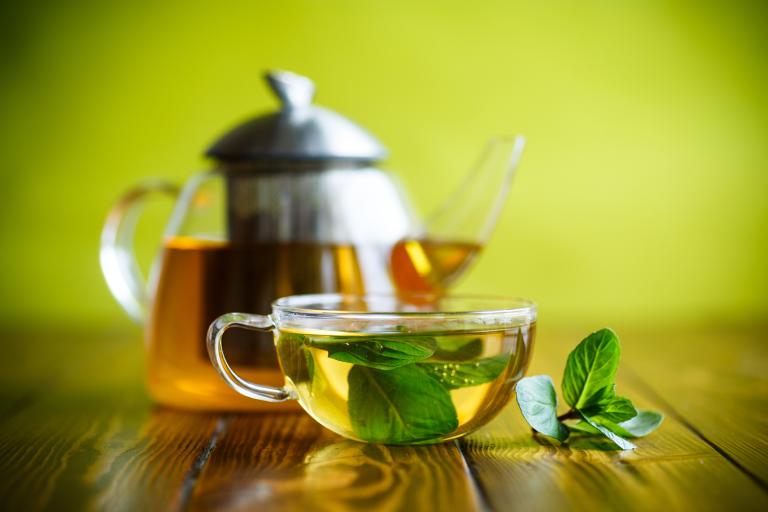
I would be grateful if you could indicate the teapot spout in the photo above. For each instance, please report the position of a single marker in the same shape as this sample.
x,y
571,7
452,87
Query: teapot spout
x,y
432,259
472,211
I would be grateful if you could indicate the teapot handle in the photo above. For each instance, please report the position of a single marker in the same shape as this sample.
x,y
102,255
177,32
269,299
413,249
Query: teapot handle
x,y
118,261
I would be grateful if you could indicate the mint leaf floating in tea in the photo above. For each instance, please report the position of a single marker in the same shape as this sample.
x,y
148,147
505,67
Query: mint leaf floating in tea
x,y
538,402
401,405
380,352
588,387
461,375
297,363
458,348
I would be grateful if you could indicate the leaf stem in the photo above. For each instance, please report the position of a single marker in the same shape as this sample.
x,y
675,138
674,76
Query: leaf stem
x,y
570,415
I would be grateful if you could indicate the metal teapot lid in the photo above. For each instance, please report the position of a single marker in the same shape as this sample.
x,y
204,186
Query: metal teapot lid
x,y
300,131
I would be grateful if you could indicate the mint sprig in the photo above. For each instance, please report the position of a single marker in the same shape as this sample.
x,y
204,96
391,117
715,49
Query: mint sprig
x,y
589,389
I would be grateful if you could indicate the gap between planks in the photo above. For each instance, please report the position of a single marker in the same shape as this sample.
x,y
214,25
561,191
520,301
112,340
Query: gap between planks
x,y
475,485
653,396
193,473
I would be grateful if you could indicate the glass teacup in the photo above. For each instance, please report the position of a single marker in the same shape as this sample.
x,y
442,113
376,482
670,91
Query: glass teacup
x,y
383,370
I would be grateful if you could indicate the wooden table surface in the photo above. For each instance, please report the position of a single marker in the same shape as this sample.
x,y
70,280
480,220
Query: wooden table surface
x,y
77,432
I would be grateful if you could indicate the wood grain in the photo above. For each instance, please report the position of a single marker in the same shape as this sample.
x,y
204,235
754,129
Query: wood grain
x,y
673,468
716,381
89,438
288,462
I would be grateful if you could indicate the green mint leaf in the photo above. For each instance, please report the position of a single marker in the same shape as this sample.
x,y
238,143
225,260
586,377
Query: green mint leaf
x,y
296,361
310,365
401,405
591,369
641,425
607,432
380,352
458,348
604,395
538,402
582,427
615,409
471,373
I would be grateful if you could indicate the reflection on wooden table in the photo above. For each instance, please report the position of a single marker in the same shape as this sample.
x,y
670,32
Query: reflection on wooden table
x,y
77,432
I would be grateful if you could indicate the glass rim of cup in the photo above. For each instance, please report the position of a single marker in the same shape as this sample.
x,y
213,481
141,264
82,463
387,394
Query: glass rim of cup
x,y
413,306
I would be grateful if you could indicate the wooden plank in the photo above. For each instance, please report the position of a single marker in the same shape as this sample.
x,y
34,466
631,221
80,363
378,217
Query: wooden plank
x,y
89,439
77,432
716,380
288,462
74,458
673,468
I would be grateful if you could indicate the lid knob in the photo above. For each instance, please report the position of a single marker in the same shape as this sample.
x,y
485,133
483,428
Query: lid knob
x,y
299,131
294,91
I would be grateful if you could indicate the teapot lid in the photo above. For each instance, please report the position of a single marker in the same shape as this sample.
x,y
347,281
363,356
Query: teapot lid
x,y
299,131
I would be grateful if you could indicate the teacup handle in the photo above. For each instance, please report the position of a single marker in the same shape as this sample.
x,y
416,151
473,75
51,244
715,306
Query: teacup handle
x,y
216,332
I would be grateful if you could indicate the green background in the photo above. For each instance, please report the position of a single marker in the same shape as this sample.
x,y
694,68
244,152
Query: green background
x,y
641,198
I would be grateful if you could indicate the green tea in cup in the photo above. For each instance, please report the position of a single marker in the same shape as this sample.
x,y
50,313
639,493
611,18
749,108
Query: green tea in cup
x,y
383,370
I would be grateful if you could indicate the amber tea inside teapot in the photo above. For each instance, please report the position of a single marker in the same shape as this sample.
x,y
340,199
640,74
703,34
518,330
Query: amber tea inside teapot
x,y
294,204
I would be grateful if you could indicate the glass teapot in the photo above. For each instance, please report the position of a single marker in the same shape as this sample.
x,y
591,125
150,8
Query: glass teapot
x,y
294,204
